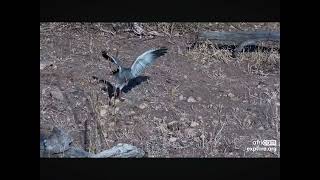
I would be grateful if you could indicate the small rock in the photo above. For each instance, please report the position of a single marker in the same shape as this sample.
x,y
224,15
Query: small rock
x,y
181,97
57,94
172,122
199,98
261,128
230,95
44,64
183,119
131,112
143,106
185,76
116,101
277,103
156,119
112,124
235,99
202,136
215,121
173,139
194,124
103,112
191,100
116,110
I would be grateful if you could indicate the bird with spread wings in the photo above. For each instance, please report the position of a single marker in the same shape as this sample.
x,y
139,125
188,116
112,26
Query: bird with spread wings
x,y
123,74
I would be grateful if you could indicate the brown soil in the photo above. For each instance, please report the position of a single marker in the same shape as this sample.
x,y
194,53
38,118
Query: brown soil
x,y
236,99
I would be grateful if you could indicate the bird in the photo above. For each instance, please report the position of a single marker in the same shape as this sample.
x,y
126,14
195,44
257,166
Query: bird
x,y
124,74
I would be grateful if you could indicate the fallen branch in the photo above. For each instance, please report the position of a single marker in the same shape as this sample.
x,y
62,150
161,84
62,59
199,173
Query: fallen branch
x,y
58,144
122,151
240,39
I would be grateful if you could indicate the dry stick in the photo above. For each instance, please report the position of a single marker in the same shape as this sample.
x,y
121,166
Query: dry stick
x,y
220,106
215,138
171,29
86,138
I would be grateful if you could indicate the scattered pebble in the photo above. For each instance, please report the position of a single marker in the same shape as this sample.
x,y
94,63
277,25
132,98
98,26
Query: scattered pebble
x,y
116,110
57,94
181,97
116,101
173,139
143,106
235,99
194,124
103,112
230,95
199,98
131,112
215,121
183,119
172,122
44,64
191,100
202,136
185,76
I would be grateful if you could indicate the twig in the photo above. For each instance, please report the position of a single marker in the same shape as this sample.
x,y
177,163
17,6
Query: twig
x,y
218,133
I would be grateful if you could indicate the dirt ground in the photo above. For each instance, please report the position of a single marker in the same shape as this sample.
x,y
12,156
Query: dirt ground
x,y
193,102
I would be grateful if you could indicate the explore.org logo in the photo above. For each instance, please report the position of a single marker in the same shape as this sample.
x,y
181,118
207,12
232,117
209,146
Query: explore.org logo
x,y
263,145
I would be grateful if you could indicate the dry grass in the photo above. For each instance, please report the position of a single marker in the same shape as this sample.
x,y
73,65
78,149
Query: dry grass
x,y
240,97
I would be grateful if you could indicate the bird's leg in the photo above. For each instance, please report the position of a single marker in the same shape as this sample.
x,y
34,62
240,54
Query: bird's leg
x,y
120,95
114,96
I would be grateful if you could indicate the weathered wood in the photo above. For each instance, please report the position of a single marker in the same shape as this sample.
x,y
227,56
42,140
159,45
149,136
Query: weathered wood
x,y
121,151
236,38
58,144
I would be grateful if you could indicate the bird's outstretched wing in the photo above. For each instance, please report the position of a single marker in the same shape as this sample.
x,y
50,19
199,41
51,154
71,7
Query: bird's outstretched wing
x,y
110,58
146,59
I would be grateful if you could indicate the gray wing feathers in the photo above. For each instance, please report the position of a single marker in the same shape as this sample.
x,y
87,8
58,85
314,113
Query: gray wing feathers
x,y
146,59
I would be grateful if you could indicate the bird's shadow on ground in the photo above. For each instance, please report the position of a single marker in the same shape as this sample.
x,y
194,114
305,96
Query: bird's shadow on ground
x,y
110,89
